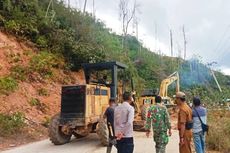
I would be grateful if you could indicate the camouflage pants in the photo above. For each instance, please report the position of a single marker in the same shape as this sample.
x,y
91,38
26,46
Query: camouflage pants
x,y
161,140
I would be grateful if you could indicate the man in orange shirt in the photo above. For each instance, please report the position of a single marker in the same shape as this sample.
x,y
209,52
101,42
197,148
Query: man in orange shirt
x,y
185,123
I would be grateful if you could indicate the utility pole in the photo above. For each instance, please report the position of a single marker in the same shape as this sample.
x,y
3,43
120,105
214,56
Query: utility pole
x,y
68,3
93,8
171,43
84,6
155,36
185,42
214,76
137,35
218,85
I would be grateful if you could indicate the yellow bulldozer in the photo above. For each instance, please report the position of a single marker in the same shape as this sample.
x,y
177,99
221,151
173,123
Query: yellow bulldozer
x,y
82,106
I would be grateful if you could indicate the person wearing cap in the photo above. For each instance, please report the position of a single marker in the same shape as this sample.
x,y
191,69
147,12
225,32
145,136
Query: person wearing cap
x,y
158,118
184,123
199,114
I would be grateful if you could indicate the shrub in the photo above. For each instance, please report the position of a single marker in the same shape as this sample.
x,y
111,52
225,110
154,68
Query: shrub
x,y
37,103
43,92
43,63
34,102
46,122
10,124
7,84
14,58
12,26
2,20
42,41
19,72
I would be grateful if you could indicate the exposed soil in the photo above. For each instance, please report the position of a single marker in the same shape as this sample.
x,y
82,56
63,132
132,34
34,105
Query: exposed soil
x,y
14,52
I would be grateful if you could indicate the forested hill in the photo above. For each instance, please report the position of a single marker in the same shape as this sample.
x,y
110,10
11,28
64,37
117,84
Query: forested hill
x,y
69,35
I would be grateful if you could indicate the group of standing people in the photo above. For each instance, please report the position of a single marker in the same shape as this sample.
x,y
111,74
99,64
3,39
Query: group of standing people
x,y
190,121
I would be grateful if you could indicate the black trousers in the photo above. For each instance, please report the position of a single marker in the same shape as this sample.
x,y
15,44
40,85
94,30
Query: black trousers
x,y
125,145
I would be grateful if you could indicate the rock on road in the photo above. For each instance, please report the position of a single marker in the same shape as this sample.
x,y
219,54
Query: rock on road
x,y
91,144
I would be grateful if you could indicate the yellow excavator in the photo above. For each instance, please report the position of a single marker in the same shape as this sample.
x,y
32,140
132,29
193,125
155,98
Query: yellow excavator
x,y
174,77
148,96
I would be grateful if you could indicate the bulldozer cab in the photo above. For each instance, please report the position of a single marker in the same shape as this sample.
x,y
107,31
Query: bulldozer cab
x,y
112,74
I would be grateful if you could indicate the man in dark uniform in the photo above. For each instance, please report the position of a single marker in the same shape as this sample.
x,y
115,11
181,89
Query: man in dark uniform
x,y
109,115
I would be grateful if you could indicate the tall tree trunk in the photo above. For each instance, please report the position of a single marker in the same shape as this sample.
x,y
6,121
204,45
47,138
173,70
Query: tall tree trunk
x,y
85,6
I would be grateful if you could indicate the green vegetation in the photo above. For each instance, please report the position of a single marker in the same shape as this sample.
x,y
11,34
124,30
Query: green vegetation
x,y
13,58
219,135
10,124
43,92
19,72
68,38
34,102
7,84
44,62
38,104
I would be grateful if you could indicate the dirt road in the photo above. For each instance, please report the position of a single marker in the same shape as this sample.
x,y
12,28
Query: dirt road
x,y
91,144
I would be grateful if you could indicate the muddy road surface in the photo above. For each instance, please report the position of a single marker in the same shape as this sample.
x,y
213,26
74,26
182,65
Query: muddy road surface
x,y
91,144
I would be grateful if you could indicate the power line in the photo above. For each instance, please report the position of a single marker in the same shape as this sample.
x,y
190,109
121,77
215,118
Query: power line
x,y
221,41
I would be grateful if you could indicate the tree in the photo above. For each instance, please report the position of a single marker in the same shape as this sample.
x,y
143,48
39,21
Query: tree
x,y
126,16
85,3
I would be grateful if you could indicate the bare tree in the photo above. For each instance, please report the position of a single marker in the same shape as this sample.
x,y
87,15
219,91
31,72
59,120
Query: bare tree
x,y
68,3
94,11
85,3
126,16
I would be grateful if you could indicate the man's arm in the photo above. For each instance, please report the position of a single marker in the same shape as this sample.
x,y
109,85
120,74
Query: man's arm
x,y
167,121
129,122
105,114
182,116
148,122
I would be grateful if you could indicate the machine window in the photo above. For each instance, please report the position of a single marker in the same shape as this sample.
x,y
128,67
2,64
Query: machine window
x,y
97,91
104,92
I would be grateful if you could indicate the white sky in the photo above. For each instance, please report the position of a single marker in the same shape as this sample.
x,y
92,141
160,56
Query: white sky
x,y
207,26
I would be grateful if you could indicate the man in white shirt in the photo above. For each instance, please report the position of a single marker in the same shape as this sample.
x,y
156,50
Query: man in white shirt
x,y
123,124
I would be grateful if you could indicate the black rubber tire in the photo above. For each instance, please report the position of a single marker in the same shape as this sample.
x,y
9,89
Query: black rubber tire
x,y
57,137
102,132
144,111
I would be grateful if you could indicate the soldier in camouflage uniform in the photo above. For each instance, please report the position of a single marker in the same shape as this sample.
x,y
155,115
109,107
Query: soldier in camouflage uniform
x,y
158,118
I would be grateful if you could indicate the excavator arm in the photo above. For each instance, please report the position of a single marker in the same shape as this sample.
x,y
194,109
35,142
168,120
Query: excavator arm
x,y
174,77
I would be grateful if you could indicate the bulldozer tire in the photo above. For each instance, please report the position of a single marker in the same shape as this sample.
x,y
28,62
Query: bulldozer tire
x,y
102,132
144,112
57,137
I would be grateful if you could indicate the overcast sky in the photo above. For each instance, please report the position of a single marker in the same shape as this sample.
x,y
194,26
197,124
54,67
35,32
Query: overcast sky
x,y
206,22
